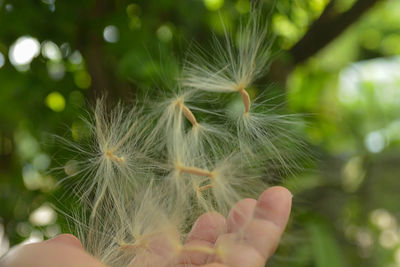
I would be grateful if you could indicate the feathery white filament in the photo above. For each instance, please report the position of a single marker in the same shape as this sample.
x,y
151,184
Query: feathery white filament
x,y
234,65
146,176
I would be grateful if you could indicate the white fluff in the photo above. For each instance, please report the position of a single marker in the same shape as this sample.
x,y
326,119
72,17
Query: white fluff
x,y
146,174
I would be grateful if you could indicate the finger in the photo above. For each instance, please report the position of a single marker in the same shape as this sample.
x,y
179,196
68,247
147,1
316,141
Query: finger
x,y
240,214
207,228
271,214
200,241
66,239
274,205
159,251
233,252
49,254
261,235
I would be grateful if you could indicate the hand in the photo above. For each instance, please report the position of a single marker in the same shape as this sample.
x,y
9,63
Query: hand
x,y
250,234
62,251
257,224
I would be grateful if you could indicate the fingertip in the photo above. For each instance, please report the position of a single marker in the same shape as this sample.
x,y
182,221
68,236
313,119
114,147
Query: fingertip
x,y
279,190
66,239
274,205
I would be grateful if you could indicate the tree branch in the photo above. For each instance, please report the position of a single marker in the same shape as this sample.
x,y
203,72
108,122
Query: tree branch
x,y
326,28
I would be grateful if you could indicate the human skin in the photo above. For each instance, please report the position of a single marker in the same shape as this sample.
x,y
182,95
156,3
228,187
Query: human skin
x,y
260,224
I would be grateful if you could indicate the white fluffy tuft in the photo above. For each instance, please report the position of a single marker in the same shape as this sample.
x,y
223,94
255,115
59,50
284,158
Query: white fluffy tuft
x,y
146,174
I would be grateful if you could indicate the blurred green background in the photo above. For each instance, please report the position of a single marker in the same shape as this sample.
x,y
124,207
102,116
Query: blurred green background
x,y
337,62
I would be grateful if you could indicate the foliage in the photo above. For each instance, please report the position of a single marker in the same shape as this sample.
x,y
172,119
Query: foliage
x,y
345,207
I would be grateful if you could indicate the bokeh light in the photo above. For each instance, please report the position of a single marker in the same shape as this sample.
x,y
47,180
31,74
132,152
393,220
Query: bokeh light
x,y
9,7
242,6
51,4
213,5
353,174
44,215
111,34
164,33
55,69
389,238
133,11
24,229
375,142
82,79
65,49
75,58
55,101
33,180
317,5
35,237
24,50
52,230
382,219
51,51
2,60
284,27
41,161
27,145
